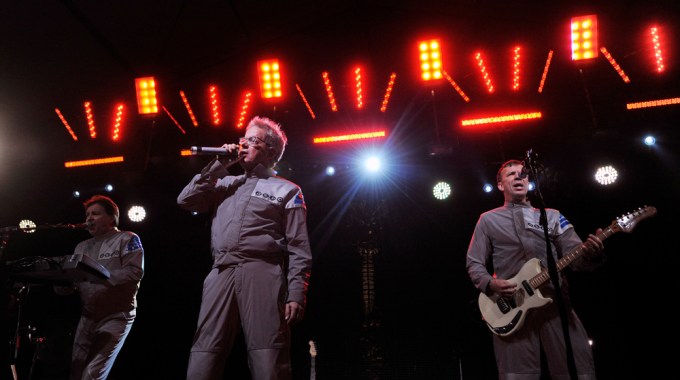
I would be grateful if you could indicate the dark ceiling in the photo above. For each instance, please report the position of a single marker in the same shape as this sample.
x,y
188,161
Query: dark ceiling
x,y
59,54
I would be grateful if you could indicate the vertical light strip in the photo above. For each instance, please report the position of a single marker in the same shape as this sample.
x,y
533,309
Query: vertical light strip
x,y
90,120
357,86
66,125
388,92
309,108
173,120
188,107
118,122
485,74
545,71
214,105
658,54
329,91
244,110
615,65
515,69
455,86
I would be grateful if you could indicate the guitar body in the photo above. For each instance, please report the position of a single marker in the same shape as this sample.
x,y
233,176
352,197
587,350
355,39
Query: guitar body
x,y
506,316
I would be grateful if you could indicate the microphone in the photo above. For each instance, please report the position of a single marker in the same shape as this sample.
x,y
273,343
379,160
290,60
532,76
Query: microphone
x,y
208,150
526,164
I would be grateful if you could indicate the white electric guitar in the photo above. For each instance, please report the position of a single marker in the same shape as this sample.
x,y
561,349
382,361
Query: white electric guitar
x,y
312,354
504,316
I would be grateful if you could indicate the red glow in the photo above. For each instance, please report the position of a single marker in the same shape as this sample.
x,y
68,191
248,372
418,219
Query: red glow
x,y
485,74
388,92
357,85
146,96
174,120
66,125
189,110
430,60
653,103
214,105
515,68
545,71
658,52
349,137
615,65
270,78
118,122
309,108
455,86
329,91
90,120
245,104
584,44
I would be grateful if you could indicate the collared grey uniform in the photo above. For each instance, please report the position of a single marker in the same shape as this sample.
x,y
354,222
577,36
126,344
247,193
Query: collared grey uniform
x,y
108,308
509,236
262,260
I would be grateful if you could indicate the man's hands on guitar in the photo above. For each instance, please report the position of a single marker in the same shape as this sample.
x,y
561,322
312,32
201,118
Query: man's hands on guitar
x,y
593,245
504,288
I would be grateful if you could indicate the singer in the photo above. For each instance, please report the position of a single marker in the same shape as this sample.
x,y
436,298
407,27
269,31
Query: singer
x,y
508,236
260,247
108,308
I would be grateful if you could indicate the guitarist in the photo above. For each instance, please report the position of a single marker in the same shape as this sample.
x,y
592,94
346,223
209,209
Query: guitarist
x,y
505,238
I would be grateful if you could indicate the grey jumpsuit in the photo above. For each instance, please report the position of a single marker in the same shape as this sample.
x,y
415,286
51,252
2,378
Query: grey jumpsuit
x,y
108,308
509,236
261,261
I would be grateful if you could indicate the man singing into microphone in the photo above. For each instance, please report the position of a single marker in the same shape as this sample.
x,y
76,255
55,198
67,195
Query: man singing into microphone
x,y
261,257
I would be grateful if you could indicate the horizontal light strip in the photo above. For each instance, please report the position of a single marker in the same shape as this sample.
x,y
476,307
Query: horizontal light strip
x,y
185,152
95,161
653,103
501,119
353,136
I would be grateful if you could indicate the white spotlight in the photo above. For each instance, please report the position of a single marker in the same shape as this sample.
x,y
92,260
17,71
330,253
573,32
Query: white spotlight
x,y
76,194
441,190
27,225
532,186
606,175
649,140
372,164
330,170
108,188
136,213
488,188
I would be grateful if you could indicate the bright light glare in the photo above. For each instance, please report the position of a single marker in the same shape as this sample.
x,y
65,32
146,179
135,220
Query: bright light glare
x,y
108,188
27,225
372,164
649,140
76,194
441,190
606,175
330,170
488,188
532,186
137,213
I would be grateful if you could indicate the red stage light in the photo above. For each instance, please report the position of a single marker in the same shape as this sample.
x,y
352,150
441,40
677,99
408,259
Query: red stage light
x,y
270,78
584,44
146,96
430,60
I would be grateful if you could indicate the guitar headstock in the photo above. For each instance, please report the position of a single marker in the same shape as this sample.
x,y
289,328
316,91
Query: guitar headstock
x,y
627,222
312,348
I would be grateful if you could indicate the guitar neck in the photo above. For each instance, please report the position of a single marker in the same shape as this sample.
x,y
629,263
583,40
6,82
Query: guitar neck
x,y
312,371
569,258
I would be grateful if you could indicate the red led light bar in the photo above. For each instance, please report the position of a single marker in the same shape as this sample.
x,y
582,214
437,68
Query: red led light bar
x,y
118,122
349,137
455,86
388,92
653,103
500,119
545,71
615,65
90,120
658,54
66,125
309,108
94,161
329,91
244,110
485,74
173,120
189,110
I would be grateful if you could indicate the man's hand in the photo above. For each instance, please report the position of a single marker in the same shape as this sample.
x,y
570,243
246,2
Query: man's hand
x,y
503,287
294,312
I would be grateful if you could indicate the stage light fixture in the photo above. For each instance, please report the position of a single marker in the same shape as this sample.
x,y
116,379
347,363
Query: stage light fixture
x,y
147,103
372,164
649,140
136,214
358,88
349,137
270,78
388,92
66,125
486,77
27,225
545,71
94,161
441,190
455,86
658,53
188,107
515,68
430,60
214,105
487,188
584,44
330,170
304,99
615,65
531,186
329,91
470,123
108,188
76,194
606,175
174,120
118,122
653,103
245,104
90,119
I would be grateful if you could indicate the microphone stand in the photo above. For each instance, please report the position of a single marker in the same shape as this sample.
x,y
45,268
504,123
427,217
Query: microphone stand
x,y
532,167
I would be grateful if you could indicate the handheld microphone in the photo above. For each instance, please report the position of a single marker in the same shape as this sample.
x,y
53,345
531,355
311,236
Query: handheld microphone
x,y
208,150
